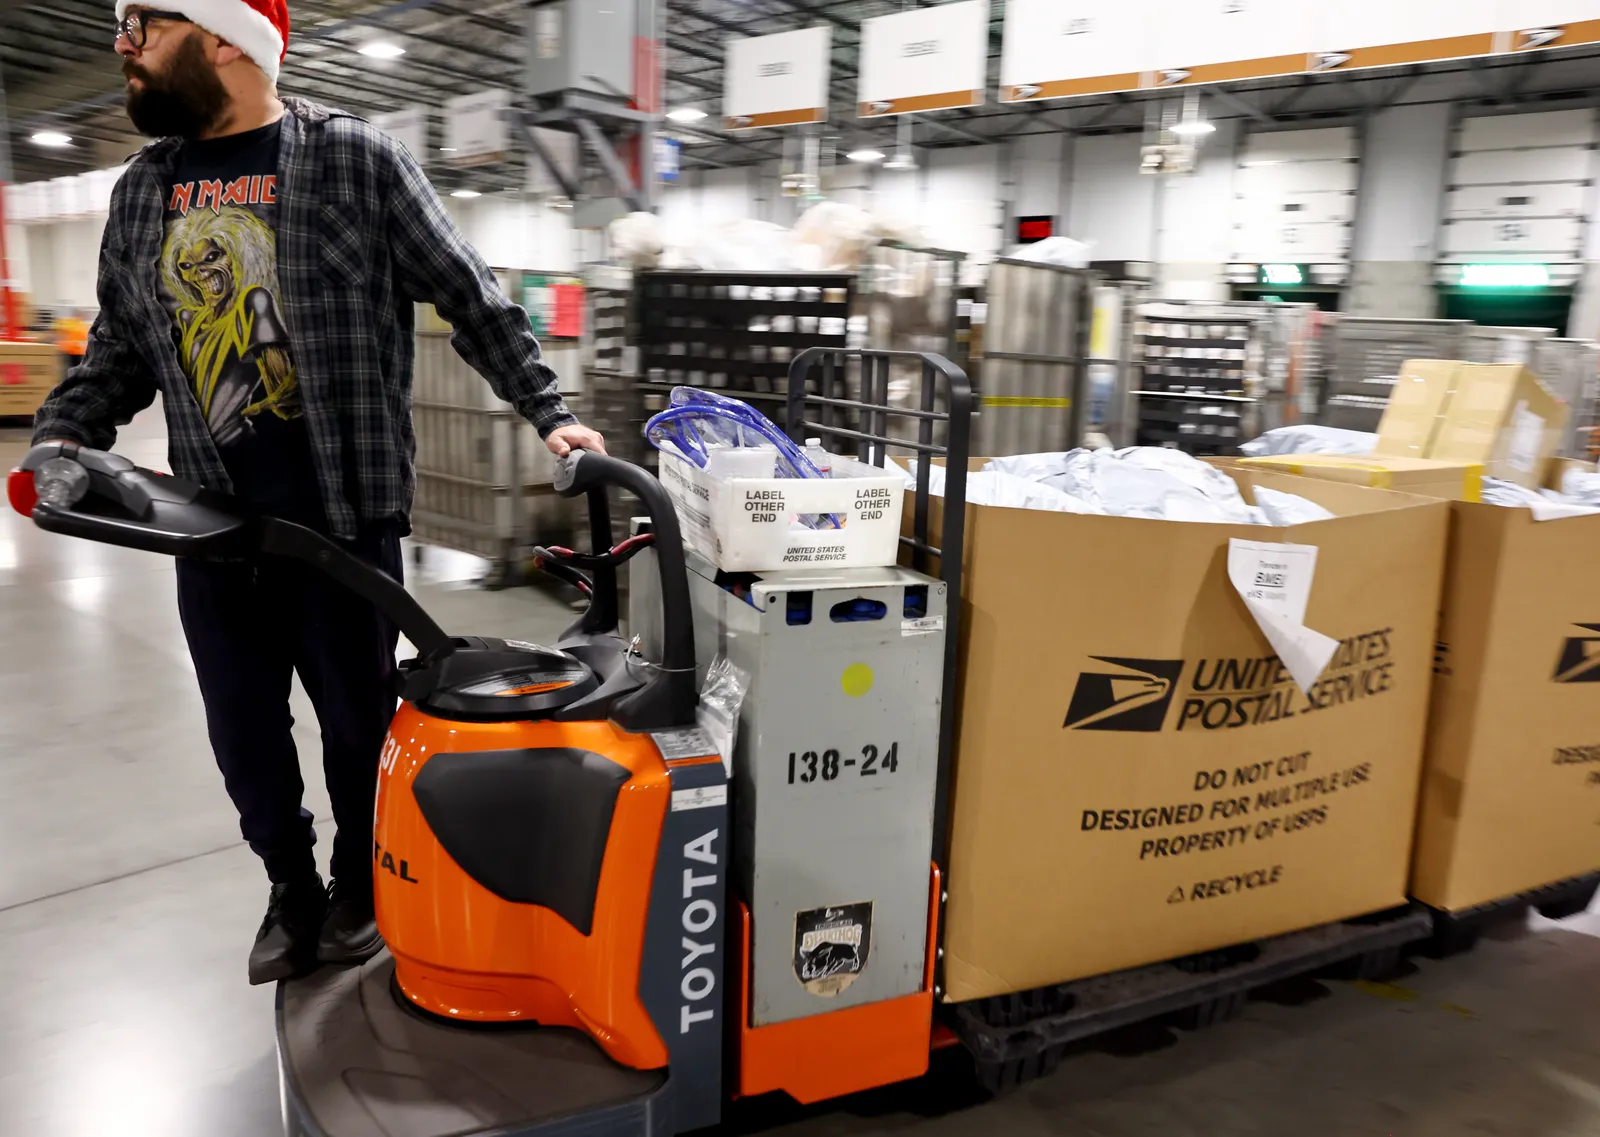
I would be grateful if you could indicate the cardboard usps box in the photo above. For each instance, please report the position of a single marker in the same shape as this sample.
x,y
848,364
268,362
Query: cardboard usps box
x,y
1416,407
750,524
28,373
1139,778
1426,477
1501,415
1511,793
1496,415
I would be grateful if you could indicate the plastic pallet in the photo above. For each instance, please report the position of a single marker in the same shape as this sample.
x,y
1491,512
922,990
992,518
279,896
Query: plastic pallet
x,y
1016,1039
1457,932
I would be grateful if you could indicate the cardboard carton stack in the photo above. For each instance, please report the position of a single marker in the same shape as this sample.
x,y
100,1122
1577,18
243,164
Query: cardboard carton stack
x,y
1447,427
1511,788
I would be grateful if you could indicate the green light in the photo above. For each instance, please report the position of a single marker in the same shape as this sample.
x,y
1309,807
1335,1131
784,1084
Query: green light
x,y
1505,276
1282,275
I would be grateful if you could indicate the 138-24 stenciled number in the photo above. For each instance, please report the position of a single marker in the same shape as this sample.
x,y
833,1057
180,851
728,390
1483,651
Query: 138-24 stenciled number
x,y
809,766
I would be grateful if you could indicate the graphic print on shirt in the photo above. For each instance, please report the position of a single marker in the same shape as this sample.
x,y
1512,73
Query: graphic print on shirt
x,y
219,273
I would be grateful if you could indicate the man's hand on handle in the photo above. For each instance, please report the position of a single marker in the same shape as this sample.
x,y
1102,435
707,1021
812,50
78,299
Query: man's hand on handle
x,y
566,439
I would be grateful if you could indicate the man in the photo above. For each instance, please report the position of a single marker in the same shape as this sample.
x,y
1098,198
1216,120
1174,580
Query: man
x,y
259,269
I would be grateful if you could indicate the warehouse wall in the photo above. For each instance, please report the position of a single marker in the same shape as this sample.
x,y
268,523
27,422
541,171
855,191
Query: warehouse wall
x,y
1194,222
20,263
968,198
63,262
514,231
1403,169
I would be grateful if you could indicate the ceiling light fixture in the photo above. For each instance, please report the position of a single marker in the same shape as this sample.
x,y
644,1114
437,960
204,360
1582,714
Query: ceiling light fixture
x,y
52,138
686,114
867,155
448,149
466,194
381,49
1194,126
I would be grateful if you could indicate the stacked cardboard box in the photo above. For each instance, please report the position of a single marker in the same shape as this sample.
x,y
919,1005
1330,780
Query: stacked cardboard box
x,y
1511,792
1460,481
1495,415
28,373
1511,787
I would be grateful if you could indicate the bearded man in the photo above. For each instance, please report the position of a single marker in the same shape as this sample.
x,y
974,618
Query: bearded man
x,y
260,269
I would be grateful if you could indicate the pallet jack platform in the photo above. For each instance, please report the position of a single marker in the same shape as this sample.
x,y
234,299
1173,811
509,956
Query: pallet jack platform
x,y
354,1062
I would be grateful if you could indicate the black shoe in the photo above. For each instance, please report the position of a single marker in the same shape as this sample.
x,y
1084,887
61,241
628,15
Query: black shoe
x,y
286,945
350,933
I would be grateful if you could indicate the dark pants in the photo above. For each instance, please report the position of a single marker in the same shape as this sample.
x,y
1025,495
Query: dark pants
x,y
250,626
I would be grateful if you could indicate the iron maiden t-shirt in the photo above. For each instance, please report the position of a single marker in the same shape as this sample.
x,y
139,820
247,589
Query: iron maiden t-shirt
x,y
219,280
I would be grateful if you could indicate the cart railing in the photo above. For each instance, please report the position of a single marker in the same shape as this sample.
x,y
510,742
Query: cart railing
x,y
845,395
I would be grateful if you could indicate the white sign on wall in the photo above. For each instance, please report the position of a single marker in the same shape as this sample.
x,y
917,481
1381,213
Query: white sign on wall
x,y
1376,33
1211,41
477,129
1056,48
924,60
408,127
778,80
1060,48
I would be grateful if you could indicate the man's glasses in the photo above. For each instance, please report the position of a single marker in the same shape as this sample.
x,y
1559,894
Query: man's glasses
x,y
135,25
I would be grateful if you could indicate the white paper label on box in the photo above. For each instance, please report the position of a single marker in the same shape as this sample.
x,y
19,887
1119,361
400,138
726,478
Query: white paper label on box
x,y
925,626
1275,582
705,797
1527,435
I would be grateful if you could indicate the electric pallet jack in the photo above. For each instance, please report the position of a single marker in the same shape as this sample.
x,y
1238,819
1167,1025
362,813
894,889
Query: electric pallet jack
x,y
551,857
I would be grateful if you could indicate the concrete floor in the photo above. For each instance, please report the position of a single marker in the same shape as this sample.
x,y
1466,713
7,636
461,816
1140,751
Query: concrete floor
x,y
127,904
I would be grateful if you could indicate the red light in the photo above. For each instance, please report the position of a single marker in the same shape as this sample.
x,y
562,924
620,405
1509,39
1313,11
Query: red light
x,y
1035,228
20,489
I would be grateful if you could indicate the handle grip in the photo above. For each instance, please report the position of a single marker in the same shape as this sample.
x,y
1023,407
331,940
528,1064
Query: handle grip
x,y
671,698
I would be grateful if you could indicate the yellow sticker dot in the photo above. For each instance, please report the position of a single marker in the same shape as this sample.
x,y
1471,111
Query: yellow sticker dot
x,y
858,680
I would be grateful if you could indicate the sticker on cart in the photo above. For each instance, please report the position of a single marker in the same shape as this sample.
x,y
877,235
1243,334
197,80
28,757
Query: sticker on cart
x,y
831,947
679,745
700,797
925,626
1275,582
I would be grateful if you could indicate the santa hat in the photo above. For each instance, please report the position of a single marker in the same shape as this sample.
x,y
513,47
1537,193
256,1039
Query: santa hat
x,y
259,28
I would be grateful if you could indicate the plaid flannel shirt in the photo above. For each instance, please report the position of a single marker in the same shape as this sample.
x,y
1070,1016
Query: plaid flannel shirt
x,y
362,236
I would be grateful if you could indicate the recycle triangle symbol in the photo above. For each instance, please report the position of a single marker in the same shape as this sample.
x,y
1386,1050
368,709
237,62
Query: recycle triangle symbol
x,y
1177,896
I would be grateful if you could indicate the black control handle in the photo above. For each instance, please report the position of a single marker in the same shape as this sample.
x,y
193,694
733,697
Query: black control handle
x,y
126,505
671,697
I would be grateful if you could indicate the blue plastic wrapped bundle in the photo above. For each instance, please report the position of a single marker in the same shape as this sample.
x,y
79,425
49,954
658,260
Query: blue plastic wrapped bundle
x,y
697,421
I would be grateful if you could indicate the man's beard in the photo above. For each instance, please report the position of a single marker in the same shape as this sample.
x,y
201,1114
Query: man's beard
x,y
186,102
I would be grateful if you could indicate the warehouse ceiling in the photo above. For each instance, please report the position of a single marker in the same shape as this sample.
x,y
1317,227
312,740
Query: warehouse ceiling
x,y
61,74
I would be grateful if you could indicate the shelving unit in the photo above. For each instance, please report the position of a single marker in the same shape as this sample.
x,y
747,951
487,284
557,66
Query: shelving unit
x,y
1195,392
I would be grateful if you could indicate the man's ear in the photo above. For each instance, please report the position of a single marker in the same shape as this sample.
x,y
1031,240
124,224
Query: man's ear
x,y
227,53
